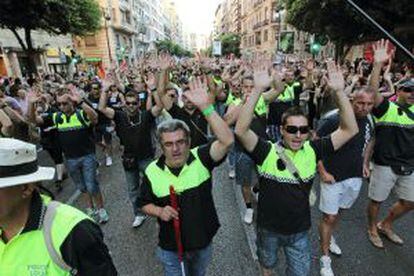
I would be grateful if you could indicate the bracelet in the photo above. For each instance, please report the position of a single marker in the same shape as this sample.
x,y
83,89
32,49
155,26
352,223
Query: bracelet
x,y
153,89
208,111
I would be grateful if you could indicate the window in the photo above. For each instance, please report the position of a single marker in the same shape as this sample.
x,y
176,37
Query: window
x,y
118,41
90,40
265,35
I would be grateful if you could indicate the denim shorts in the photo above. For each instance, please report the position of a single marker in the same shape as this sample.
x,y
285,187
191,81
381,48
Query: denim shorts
x,y
82,170
296,247
195,262
246,173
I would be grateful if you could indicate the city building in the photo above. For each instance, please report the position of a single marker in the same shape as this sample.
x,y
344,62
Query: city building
x,y
50,56
174,21
235,16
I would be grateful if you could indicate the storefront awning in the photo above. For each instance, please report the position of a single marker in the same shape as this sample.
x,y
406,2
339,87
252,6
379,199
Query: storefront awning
x,y
94,59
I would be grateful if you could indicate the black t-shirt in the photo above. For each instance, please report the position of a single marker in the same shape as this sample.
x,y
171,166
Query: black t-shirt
x,y
283,207
135,133
102,119
196,122
347,162
198,215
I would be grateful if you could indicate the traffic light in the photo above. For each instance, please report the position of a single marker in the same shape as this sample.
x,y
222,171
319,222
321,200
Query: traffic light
x,y
315,48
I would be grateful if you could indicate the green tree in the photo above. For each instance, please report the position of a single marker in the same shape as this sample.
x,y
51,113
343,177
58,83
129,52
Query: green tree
x,y
172,48
230,44
346,27
78,17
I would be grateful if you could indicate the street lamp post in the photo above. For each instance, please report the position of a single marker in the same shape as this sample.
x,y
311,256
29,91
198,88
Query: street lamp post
x,y
107,18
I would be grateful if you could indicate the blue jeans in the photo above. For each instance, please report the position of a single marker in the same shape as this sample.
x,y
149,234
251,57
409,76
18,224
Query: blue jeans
x,y
82,170
296,247
133,182
195,262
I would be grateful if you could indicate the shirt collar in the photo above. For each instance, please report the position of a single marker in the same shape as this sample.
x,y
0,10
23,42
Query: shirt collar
x,y
36,214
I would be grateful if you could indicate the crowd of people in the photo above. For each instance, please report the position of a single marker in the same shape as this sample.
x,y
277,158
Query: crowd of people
x,y
278,125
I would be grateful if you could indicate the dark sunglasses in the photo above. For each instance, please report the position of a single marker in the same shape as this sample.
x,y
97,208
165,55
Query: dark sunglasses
x,y
295,129
131,103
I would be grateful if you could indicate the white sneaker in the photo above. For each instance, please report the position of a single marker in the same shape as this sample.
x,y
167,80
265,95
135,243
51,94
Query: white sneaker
x,y
108,161
232,174
139,220
103,216
248,216
334,248
326,269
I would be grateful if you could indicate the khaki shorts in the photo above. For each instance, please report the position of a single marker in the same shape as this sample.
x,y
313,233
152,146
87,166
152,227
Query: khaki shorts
x,y
383,180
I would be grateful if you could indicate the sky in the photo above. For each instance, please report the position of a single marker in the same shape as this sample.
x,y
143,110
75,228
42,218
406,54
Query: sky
x,y
197,15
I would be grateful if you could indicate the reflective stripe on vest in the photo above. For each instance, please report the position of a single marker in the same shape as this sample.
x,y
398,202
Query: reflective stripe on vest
x,y
27,255
67,125
304,160
394,117
191,176
288,94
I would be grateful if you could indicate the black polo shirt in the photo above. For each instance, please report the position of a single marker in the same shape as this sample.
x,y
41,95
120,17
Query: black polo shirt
x,y
83,249
196,122
198,215
283,207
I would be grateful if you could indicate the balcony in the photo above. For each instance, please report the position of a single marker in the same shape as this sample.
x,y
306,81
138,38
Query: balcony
x,y
261,24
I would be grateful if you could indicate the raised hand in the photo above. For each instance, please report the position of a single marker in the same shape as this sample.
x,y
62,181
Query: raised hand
x,y
381,53
198,94
165,61
75,97
262,80
151,81
336,80
310,65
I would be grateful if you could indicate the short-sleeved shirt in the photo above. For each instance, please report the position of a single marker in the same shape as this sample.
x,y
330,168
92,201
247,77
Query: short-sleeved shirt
x,y
195,121
347,162
102,119
135,133
198,215
394,143
76,142
283,205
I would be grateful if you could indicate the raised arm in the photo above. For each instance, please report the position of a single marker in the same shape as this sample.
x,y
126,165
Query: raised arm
x,y
198,95
89,111
243,132
103,108
5,123
347,125
381,56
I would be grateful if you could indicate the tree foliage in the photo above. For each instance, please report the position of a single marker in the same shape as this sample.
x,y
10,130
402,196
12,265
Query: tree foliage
x,y
230,44
172,48
343,25
78,17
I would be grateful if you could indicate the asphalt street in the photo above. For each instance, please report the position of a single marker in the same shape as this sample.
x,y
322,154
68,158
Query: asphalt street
x,y
133,250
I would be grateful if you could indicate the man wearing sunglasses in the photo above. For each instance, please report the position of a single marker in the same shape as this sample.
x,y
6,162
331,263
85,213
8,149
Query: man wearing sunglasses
x,y
74,122
283,206
133,127
393,153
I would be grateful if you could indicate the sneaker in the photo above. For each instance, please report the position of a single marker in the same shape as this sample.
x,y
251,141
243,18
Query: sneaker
x,y
139,220
326,269
103,216
248,216
232,174
108,161
334,248
90,212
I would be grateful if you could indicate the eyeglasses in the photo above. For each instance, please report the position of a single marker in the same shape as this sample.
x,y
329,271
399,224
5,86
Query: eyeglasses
x,y
131,103
295,129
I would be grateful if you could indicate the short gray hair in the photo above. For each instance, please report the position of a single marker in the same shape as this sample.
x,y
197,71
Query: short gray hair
x,y
172,125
